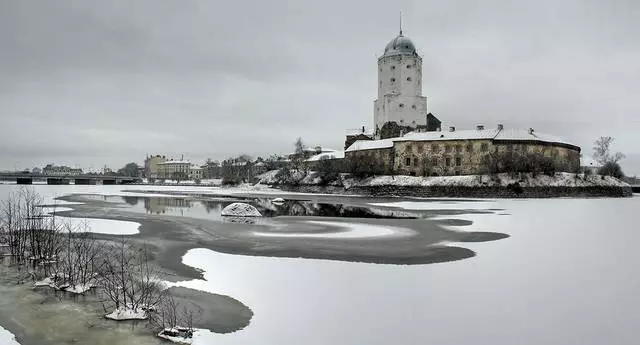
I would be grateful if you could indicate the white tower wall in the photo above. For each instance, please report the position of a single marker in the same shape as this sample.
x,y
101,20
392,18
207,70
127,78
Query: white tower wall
x,y
400,87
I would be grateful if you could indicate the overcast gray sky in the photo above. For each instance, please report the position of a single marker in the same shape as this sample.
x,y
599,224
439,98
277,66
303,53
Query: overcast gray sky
x,y
88,83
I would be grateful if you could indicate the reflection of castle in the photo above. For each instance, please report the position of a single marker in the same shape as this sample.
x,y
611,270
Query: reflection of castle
x,y
162,205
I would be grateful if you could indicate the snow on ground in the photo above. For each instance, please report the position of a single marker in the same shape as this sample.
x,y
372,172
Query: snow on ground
x,y
123,314
7,338
525,180
452,204
351,230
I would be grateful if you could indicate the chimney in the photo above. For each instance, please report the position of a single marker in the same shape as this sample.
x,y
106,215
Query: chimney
x,y
480,127
452,129
500,127
530,130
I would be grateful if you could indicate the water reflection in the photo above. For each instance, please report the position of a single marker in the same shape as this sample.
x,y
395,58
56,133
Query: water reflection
x,y
211,209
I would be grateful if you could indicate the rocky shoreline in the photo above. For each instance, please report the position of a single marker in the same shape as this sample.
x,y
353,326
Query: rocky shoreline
x,y
477,186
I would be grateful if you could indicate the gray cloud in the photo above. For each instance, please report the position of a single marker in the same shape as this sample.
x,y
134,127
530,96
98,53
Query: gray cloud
x,y
104,82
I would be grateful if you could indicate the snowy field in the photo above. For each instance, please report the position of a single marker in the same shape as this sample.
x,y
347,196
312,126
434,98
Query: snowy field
x,y
566,275
563,277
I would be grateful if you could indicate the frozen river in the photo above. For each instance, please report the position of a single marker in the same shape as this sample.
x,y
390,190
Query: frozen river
x,y
566,275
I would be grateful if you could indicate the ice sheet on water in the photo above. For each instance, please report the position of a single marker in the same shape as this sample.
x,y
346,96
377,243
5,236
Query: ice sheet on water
x,y
7,338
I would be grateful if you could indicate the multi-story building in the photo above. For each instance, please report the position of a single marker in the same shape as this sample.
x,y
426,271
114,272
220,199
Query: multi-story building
x,y
174,170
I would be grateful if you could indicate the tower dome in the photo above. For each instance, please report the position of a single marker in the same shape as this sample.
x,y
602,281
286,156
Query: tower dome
x,y
400,45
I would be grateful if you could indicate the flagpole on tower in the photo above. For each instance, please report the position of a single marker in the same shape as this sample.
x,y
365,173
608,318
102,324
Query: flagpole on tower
x,y
400,22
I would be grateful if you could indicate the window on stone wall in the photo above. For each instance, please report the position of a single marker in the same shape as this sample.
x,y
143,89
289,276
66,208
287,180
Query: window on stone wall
x,y
447,148
458,148
447,161
469,148
409,148
434,148
458,161
415,161
419,148
484,147
407,161
434,161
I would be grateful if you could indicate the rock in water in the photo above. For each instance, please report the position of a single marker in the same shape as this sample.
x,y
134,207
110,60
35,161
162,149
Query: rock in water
x,y
240,209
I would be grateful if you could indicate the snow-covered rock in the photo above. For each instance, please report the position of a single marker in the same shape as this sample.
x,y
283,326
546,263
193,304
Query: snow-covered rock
x,y
277,200
122,314
177,335
240,209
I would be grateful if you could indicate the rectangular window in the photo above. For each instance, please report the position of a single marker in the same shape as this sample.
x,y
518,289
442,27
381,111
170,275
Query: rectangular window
x,y
484,147
458,161
434,161
469,148
447,161
458,148
447,148
415,162
407,161
434,148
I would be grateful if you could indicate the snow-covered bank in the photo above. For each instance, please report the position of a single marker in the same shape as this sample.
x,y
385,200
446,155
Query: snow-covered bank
x,y
499,180
7,338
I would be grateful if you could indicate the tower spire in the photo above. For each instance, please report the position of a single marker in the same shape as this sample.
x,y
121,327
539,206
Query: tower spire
x,y
400,22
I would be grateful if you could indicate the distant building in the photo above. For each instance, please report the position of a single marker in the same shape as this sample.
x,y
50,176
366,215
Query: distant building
x,y
195,173
36,171
173,169
460,152
60,170
151,166
211,169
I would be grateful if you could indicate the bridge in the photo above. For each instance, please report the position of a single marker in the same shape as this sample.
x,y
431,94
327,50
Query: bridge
x,y
29,178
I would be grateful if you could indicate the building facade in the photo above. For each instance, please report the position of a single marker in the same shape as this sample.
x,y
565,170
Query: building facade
x,y
174,170
400,98
466,152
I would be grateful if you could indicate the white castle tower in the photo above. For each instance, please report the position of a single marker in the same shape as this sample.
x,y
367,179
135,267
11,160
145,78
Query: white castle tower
x,y
400,86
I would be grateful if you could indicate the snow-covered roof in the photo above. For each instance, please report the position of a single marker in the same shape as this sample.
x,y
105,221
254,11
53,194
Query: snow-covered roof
x,y
195,167
370,145
455,135
327,155
511,134
175,162
358,132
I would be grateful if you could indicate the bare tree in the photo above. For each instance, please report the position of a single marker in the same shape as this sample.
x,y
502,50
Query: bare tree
x,y
609,161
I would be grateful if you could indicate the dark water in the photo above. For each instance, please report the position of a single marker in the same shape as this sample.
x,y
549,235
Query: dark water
x,y
211,208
